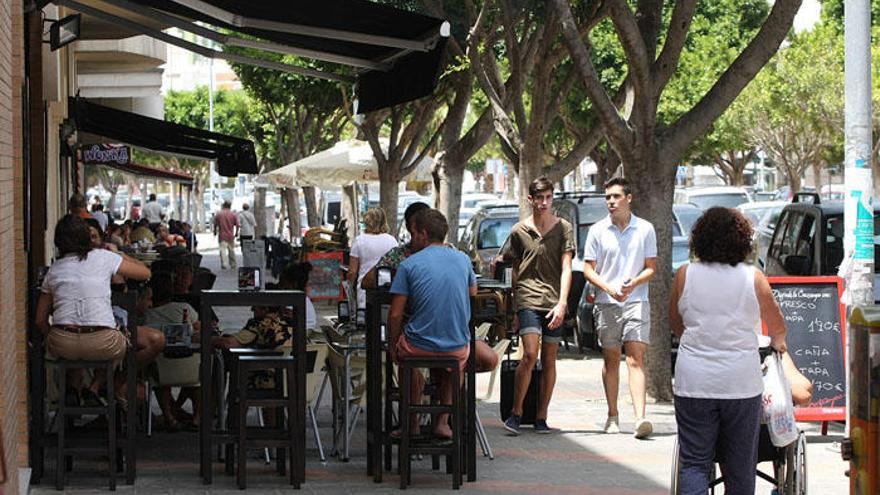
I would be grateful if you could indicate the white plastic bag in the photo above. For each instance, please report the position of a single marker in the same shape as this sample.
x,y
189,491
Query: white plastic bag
x,y
778,406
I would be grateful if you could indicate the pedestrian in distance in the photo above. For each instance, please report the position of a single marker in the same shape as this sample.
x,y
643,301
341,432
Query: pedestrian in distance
x,y
716,304
152,211
541,249
620,258
226,229
247,222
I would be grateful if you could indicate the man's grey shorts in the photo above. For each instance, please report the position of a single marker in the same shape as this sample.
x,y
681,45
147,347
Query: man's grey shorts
x,y
617,324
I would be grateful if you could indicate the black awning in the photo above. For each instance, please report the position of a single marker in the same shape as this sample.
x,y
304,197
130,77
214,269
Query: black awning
x,y
233,155
403,50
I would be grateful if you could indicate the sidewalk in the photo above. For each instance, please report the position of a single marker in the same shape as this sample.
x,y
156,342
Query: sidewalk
x,y
578,459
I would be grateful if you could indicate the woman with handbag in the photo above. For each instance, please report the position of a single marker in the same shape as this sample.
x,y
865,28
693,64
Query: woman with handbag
x,y
717,303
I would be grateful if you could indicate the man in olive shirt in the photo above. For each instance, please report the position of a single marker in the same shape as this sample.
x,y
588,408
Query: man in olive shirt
x,y
541,248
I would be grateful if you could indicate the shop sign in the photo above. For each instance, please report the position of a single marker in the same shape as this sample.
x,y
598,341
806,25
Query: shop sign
x,y
101,154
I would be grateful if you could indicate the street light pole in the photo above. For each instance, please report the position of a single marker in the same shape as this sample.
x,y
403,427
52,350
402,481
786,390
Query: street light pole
x,y
858,238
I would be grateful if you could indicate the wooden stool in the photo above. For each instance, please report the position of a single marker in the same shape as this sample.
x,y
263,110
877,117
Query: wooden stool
x,y
71,445
279,437
409,448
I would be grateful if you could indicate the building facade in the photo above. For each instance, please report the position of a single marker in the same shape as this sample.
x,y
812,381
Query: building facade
x,y
13,275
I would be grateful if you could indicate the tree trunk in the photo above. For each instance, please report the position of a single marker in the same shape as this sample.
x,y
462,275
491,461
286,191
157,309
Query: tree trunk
x,y
260,211
199,194
817,176
794,181
451,173
312,214
291,197
653,184
737,176
388,200
509,182
350,209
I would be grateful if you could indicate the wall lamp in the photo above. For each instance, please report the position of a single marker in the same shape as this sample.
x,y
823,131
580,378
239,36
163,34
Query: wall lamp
x,y
63,31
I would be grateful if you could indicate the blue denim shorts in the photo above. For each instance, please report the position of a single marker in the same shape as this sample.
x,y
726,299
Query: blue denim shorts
x,y
536,321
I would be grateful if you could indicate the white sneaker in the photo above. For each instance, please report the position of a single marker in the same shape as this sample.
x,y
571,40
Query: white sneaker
x,y
612,425
644,428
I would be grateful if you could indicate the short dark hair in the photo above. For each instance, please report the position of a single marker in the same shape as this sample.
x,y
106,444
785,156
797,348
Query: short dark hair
x,y
162,284
540,184
76,202
433,222
227,205
295,276
91,222
98,207
72,236
722,235
620,181
152,197
412,209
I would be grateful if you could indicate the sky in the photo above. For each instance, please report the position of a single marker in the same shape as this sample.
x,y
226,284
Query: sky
x,y
807,15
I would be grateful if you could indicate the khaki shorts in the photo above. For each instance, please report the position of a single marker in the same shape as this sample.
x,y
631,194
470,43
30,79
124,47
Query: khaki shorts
x,y
95,346
618,324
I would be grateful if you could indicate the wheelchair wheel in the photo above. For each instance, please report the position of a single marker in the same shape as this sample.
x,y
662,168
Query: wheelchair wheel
x,y
673,485
796,467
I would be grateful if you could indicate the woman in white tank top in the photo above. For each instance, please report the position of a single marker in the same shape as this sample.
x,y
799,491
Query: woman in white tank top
x,y
717,302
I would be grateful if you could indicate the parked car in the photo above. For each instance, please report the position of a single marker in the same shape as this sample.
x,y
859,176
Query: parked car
x,y
686,216
763,215
707,197
808,239
755,211
484,235
473,200
588,336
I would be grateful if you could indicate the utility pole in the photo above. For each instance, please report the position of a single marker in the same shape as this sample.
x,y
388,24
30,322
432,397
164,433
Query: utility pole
x,y
858,238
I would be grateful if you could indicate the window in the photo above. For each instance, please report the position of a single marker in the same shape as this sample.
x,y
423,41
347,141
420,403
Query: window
x,y
806,235
781,233
494,231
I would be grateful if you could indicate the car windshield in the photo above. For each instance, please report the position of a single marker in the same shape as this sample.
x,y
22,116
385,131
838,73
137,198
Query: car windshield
x,y
493,232
727,200
687,217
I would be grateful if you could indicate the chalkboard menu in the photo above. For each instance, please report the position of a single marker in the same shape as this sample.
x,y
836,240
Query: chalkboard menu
x,y
816,325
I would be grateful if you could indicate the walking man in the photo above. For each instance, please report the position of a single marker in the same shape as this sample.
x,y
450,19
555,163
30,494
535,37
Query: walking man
x,y
226,229
541,248
620,258
247,222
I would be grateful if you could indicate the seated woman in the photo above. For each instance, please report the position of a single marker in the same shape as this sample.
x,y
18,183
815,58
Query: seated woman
x,y
76,295
268,329
295,276
163,236
162,310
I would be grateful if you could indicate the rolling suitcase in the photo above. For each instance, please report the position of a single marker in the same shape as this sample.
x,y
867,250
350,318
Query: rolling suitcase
x,y
530,403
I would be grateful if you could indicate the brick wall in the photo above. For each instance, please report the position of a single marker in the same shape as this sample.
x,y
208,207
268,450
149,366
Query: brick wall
x,y
13,378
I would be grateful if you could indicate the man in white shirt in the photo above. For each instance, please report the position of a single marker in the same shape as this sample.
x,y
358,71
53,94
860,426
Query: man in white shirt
x,y
99,215
620,259
247,223
152,211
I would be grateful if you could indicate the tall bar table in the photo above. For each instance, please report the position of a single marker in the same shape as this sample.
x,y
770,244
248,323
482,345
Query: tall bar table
x,y
276,298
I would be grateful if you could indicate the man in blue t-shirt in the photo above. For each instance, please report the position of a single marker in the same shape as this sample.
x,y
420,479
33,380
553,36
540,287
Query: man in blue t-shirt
x,y
437,282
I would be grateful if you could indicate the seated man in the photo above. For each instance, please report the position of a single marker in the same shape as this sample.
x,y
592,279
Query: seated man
x,y
437,283
486,358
